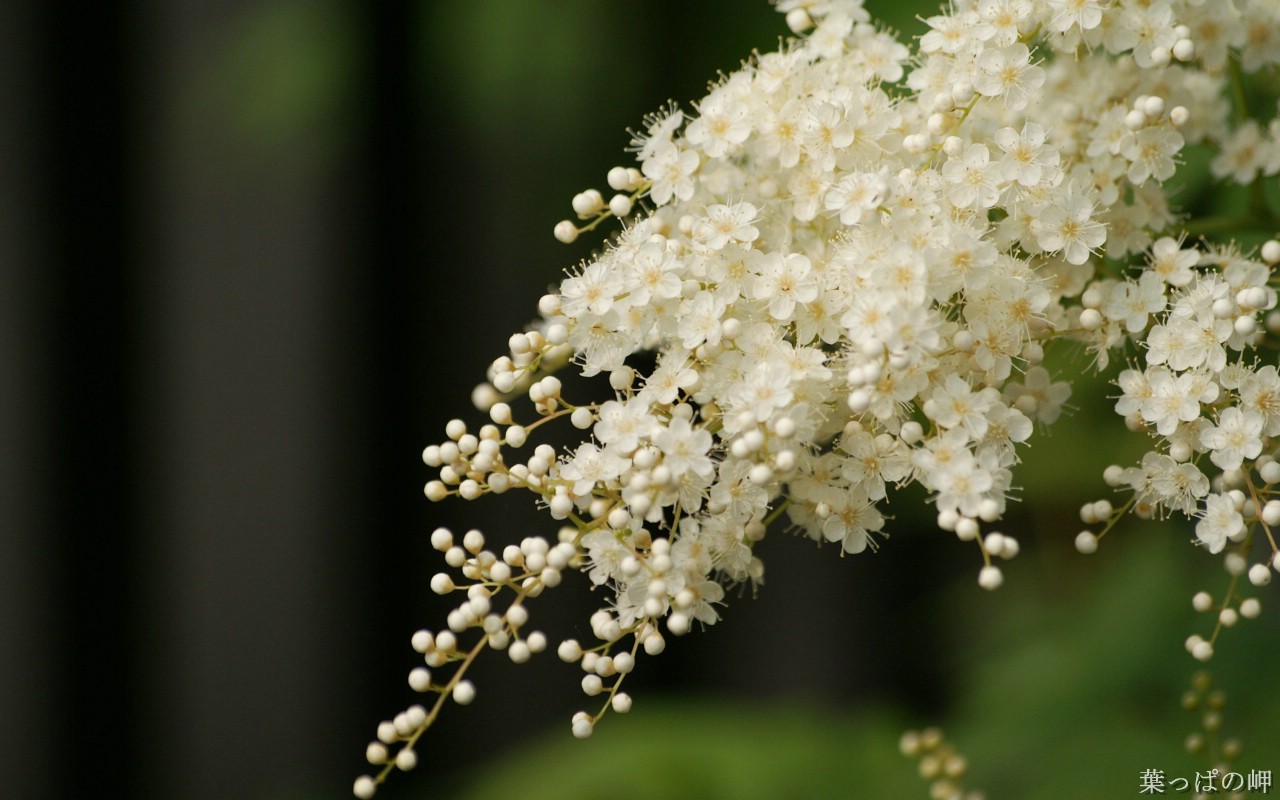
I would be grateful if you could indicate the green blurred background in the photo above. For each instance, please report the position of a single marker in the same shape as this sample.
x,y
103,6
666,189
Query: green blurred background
x,y
256,253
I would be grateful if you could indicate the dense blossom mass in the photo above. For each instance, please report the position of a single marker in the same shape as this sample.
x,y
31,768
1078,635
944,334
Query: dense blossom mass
x,y
836,275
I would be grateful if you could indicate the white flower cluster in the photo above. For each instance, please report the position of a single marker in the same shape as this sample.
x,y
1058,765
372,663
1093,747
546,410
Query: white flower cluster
x,y
838,277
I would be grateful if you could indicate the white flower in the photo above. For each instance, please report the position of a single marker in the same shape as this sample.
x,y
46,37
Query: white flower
x,y
623,426
1028,160
956,405
974,180
589,466
853,516
782,281
593,290
1133,303
723,123
1067,226
1171,262
855,196
1085,14
685,448
671,171
1151,153
1237,436
1173,399
1007,73
1219,522
724,224
700,320
962,484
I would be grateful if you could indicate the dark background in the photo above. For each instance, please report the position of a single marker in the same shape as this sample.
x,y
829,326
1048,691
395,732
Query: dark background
x,y
253,256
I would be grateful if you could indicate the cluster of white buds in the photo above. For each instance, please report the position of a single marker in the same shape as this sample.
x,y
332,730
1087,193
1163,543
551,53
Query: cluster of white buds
x,y
939,763
628,183
486,580
840,276
1207,740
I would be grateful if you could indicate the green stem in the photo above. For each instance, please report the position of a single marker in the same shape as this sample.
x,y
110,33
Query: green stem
x,y
1239,99
777,512
1260,220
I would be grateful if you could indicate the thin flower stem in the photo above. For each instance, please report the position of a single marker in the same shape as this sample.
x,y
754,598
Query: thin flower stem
x,y
445,693
1238,96
777,512
1214,226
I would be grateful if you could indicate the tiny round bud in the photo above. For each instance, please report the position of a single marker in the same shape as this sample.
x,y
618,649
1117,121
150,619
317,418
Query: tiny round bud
x,y
376,753
798,20
988,510
993,542
583,727
1231,749
1271,513
406,759
566,232
592,685
582,418
420,679
1250,608
1271,251
1202,651
1202,601
1086,542
500,413
442,583
1135,119
1184,50
990,578
620,205
442,539
464,693
621,702
588,203
569,651
1235,564
654,644
1259,575
423,641
473,541
387,733
618,179
1090,319
519,652
760,474
365,787
1228,617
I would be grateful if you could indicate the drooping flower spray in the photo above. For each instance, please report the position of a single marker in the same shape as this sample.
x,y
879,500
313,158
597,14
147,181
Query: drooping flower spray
x,y
842,268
